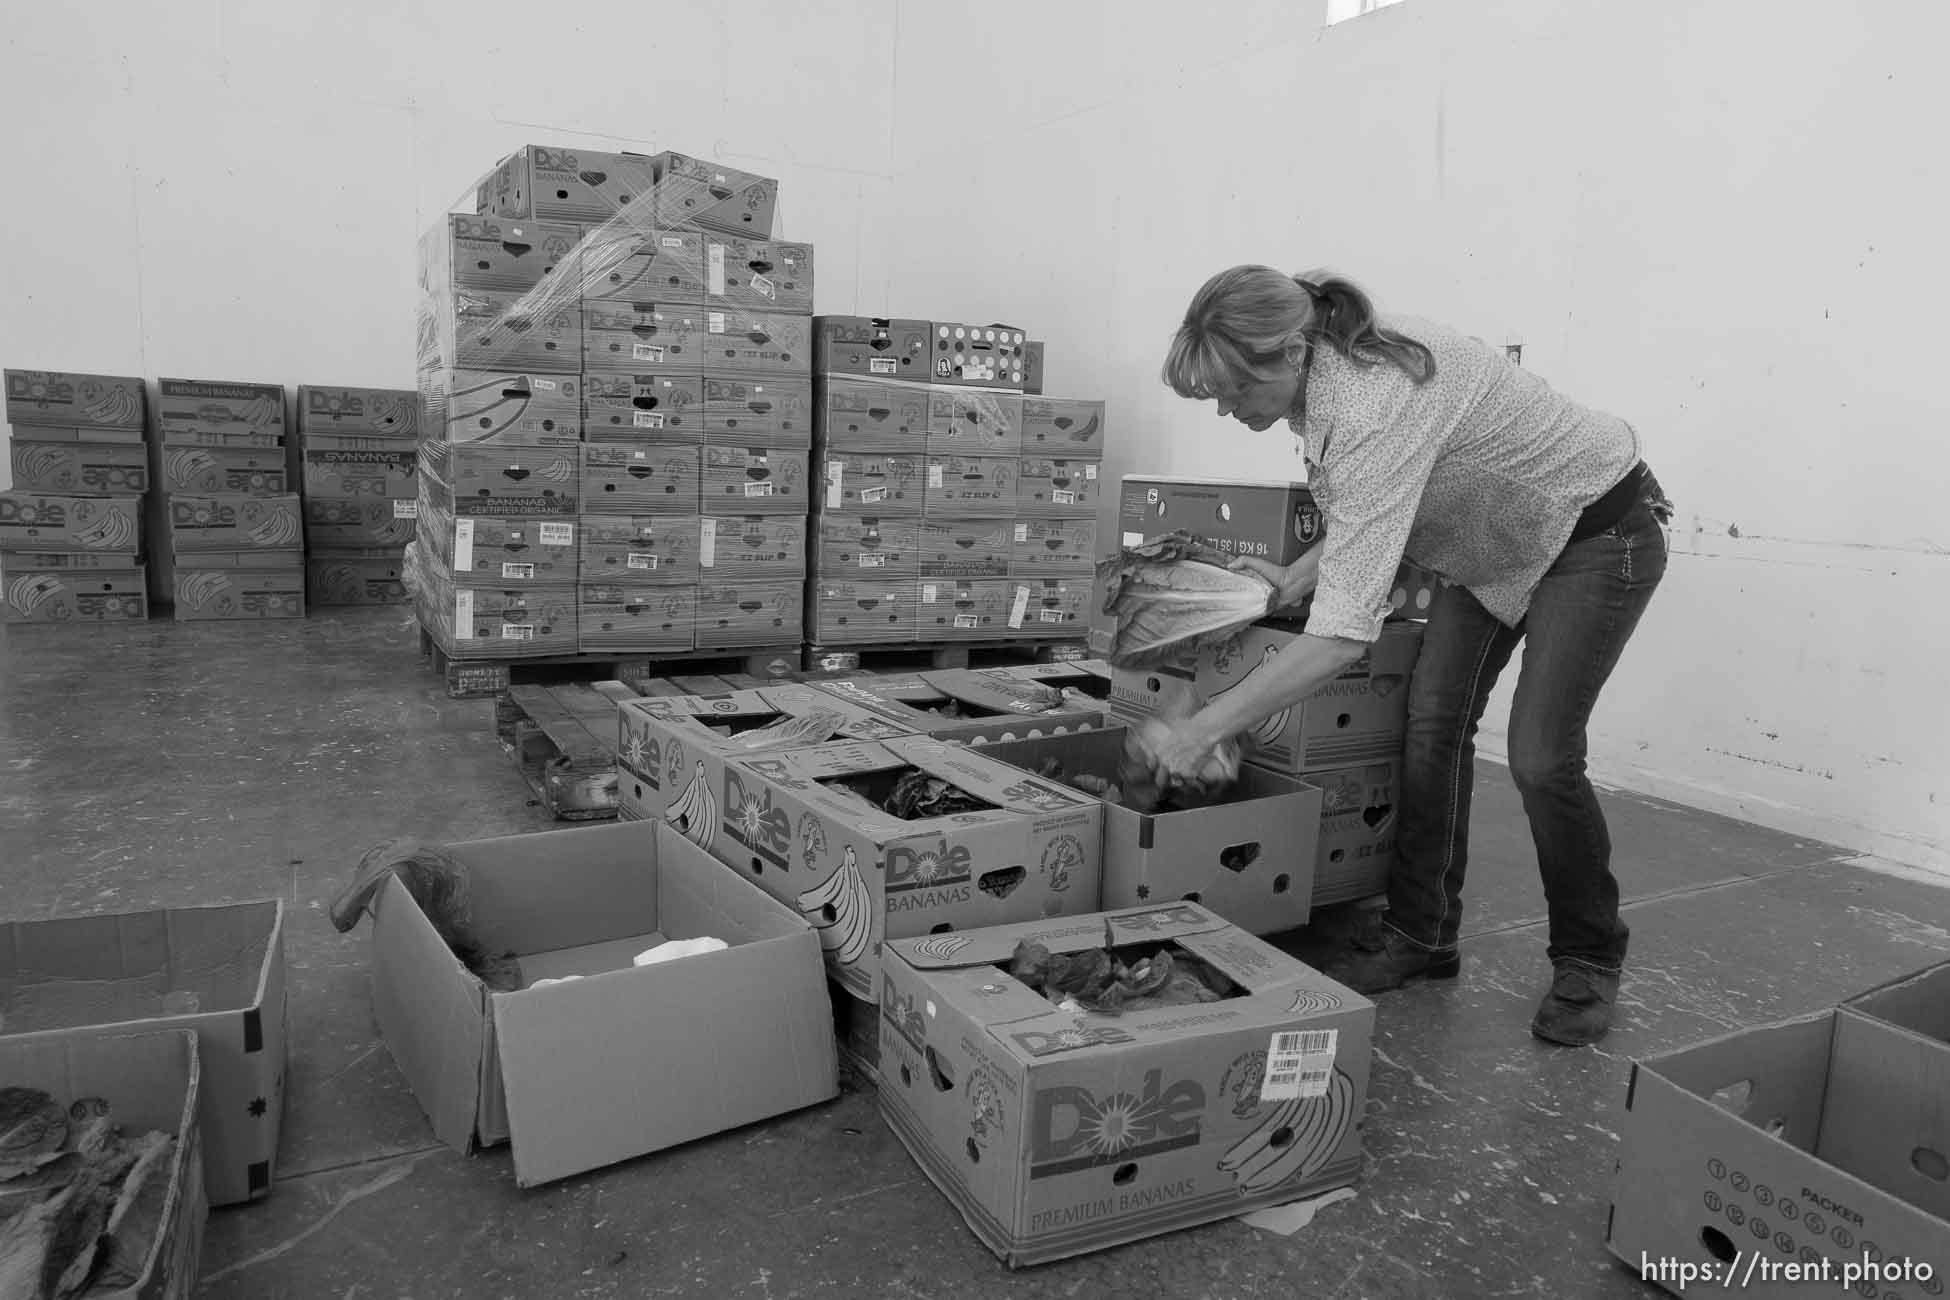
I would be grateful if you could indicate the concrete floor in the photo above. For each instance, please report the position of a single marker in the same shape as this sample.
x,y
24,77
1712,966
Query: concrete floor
x,y
174,764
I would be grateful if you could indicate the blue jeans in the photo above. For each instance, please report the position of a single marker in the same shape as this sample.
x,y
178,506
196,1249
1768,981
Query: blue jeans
x,y
1583,613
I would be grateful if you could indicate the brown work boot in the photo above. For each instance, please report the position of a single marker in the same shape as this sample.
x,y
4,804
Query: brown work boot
x,y
1577,1010
1383,960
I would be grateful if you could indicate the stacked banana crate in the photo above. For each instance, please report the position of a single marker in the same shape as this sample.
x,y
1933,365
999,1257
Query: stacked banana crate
x,y
71,525
357,446
953,507
615,378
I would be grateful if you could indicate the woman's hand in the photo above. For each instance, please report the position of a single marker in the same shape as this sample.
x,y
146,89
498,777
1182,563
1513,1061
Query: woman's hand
x,y
1292,583
1181,753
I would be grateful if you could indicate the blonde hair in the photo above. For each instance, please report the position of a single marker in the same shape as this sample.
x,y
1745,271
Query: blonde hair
x,y
1253,323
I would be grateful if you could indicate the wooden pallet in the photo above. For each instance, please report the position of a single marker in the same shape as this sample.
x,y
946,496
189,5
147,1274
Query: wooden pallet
x,y
917,656
563,739
476,679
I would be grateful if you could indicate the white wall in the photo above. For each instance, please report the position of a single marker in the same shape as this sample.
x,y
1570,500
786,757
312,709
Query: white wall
x,y
1717,220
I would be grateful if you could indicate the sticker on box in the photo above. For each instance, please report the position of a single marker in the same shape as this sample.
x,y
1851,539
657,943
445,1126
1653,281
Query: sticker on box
x,y
1021,607
406,509
930,592
968,620
1060,497
518,571
649,419
1022,532
934,476
1299,1064
558,534
714,276
871,560
764,287
758,489
517,632
635,561
872,495
883,366
707,545
714,322
647,352
463,545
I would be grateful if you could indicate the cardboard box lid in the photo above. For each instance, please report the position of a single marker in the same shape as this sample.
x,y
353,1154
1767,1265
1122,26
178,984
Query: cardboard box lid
x,y
1009,695
859,718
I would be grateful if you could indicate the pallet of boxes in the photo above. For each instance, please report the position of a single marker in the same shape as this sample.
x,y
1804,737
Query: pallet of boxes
x,y
359,450
615,379
71,526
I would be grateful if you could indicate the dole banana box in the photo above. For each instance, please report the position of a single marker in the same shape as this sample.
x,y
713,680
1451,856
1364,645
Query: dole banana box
x,y
974,706
757,547
238,587
502,478
625,478
865,610
1054,547
32,521
1064,488
74,595
963,609
1064,428
474,251
218,407
65,461
651,408
243,470
808,826
872,415
1271,521
499,330
356,577
640,550
755,479
979,356
1053,608
623,615
359,467
1056,1133
758,274
972,422
697,192
772,410
1034,366
642,338
867,546
873,347
750,613
72,401
971,487
874,484
487,407
1359,812
359,523
227,522
495,552
495,622
671,750
746,341
622,262
330,409
966,548
580,185
1357,717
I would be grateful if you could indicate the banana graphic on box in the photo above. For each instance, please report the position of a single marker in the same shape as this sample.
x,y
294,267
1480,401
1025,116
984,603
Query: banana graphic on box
x,y
1315,1126
116,406
695,812
275,527
26,594
114,531
841,909
1269,729
41,464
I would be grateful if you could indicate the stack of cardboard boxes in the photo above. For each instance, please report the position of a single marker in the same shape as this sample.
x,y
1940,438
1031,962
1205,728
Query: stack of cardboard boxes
x,y
615,377
71,526
234,528
953,508
361,497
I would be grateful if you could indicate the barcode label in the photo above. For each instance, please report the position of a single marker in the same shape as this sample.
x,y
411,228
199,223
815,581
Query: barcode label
x,y
872,495
934,476
518,571
1022,532
714,270
517,632
672,241
835,477
930,592
968,620
542,385
463,545
869,560
1059,497
647,352
758,489
1090,471
406,509
882,366
763,287
1299,1064
1051,616
715,321
464,614
707,545
558,534
649,419
636,561
1020,608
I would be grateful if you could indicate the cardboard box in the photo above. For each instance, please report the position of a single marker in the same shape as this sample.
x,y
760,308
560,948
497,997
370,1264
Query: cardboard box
x,y
1766,1146
223,522
640,549
532,410
1358,717
1091,677
152,1082
582,1074
236,470
1359,812
626,616
217,588
360,524
64,466
867,547
32,521
1058,1133
1249,859
622,262
258,441
501,478
1058,488
875,484
750,614
1053,608
1055,547
218,972
500,331
216,406
393,411
1032,367
971,487
776,410
18,562
369,577
966,548
752,546
973,707
972,422
756,480
870,609
573,184
75,596
622,478
872,415
642,338
979,356
486,551
758,275
665,408
1166,690
360,466
515,254
694,192
964,609
53,397
500,622
870,877
1273,521
741,340
1067,428
873,347
1898,1079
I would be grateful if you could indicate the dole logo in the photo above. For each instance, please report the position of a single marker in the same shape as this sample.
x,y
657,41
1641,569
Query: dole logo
x,y
1072,1129
911,867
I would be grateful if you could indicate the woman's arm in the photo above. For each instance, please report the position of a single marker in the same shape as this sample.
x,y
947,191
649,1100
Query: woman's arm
x,y
1297,672
1292,583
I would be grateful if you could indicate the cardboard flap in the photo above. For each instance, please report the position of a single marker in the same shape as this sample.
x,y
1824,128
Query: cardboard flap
x,y
1775,1074
998,783
1918,1002
996,694
431,1013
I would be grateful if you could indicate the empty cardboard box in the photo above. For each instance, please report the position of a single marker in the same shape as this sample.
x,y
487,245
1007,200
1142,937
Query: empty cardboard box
x,y
1271,521
1357,717
873,347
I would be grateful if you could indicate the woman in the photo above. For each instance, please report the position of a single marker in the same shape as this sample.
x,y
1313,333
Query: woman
x,y
1426,444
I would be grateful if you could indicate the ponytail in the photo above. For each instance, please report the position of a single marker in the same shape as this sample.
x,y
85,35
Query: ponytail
x,y
1344,319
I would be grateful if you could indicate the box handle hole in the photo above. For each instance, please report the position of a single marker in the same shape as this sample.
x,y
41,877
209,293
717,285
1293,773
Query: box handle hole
x,y
757,866
974,1153
907,1077
1239,856
1734,1097
1930,1164
1282,883
1345,721
938,1073
514,249
1192,897
1125,1175
1776,1127
1718,1244
943,928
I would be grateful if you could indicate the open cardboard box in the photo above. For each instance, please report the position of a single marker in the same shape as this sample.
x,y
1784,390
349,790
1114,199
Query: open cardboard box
x,y
152,1083
808,826
1057,1133
217,971
1249,858
1810,1151
974,707
624,1060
